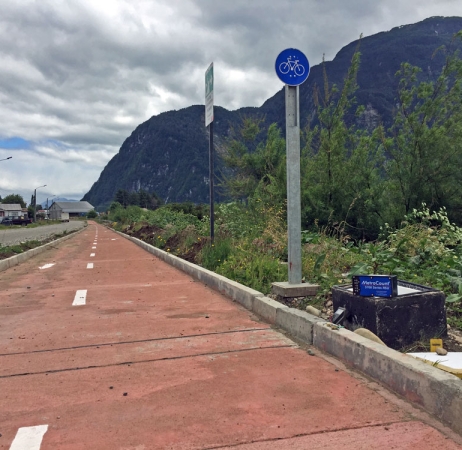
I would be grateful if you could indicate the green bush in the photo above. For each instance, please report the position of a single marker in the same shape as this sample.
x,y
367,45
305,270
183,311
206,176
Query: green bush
x,y
214,255
257,271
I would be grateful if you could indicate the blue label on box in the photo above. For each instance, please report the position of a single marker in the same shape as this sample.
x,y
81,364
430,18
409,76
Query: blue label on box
x,y
375,285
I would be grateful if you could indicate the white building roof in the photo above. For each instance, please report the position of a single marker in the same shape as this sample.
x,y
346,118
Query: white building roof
x,y
73,207
10,207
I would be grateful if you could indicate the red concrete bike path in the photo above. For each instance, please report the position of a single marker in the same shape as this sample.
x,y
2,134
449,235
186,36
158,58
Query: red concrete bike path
x,y
156,360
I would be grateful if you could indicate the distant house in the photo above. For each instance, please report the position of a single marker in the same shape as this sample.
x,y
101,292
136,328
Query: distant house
x,y
13,210
74,209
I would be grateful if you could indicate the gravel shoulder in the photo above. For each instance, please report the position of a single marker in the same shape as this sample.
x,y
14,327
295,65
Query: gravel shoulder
x,y
15,236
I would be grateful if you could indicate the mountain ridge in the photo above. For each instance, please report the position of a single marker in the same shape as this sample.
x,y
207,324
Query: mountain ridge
x,y
153,158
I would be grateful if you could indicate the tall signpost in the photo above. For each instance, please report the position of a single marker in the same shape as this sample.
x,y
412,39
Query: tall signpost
x,y
209,123
292,68
35,201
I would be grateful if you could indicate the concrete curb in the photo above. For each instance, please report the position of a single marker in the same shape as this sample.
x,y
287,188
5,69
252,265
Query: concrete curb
x,y
438,392
18,259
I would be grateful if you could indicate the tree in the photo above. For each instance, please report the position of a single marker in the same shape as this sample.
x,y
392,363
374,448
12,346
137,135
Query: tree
x,y
248,168
114,206
341,179
92,214
424,142
122,196
142,198
14,199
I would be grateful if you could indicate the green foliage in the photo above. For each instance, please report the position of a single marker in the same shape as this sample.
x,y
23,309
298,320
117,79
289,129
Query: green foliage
x,y
14,199
114,206
423,143
341,178
255,269
214,255
92,214
163,218
200,211
262,168
142,199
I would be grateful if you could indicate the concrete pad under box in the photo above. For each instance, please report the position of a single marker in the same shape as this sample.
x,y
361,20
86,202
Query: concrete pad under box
x,y
438,392
287,290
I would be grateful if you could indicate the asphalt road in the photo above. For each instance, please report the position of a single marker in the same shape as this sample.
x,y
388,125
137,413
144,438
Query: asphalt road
x,y
16,235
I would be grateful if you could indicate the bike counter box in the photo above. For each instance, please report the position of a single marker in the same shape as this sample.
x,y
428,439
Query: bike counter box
x,y
412,313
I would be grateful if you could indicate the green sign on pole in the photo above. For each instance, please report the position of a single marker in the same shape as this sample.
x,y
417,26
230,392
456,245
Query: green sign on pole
x,y
209,96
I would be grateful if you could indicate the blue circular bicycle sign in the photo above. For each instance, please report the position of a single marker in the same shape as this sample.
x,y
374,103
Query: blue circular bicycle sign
x,y
292,67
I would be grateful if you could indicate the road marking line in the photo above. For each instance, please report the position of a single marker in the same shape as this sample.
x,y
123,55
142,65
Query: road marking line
x,y
47,266
80,297
113,239
92,254
29,438
89,265
93,247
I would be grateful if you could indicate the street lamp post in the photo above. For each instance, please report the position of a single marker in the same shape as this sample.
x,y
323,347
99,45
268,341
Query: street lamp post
x,y
4,159
35,202
48,211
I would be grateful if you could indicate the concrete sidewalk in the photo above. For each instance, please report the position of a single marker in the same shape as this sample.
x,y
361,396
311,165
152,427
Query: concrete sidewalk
x,y
121,351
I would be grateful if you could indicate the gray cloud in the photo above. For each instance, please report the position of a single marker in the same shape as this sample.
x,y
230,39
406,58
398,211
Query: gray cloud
x,y
78,76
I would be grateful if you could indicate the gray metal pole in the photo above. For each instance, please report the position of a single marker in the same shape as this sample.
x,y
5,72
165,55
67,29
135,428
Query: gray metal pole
x,y
35,204
211,176
294,220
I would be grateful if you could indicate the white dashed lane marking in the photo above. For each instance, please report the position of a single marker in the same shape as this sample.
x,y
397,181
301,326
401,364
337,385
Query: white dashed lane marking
x,y
29,438
47,266
80,297
92,254
93,247
89,265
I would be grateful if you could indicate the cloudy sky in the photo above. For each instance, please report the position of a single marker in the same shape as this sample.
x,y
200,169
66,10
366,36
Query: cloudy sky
x,y
77,76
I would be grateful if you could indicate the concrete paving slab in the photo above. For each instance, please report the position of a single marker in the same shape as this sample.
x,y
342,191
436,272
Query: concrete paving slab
x,y
197,402
155,360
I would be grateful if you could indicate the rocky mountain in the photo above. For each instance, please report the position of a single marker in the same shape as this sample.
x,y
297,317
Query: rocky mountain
x,y
168,154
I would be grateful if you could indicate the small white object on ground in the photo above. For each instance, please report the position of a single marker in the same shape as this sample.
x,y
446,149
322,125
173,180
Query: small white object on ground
x,y
29,438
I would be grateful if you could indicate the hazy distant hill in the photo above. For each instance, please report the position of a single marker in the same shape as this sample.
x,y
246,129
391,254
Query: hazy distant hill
x,y
168,154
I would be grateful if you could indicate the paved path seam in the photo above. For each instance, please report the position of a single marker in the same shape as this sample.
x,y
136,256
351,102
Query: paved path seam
x,y
138,341
131,363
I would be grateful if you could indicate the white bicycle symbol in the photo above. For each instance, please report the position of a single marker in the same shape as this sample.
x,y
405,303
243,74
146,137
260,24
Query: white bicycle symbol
x,y
293,66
